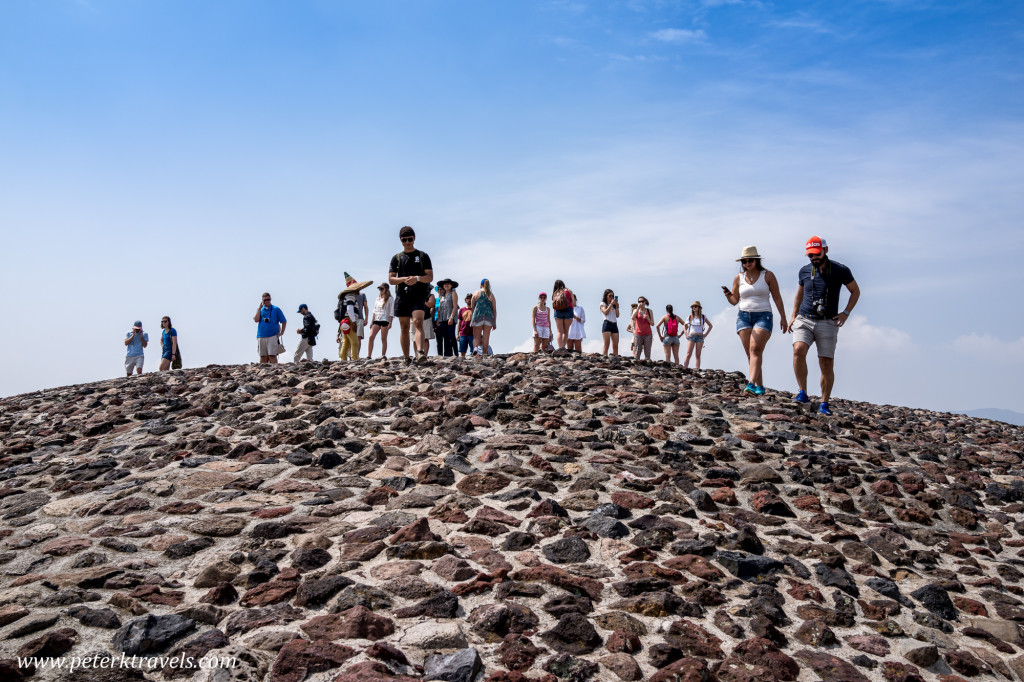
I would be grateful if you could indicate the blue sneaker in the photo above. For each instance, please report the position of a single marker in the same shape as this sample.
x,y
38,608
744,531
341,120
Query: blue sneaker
x,y
823,409
801,397
750,389
758,390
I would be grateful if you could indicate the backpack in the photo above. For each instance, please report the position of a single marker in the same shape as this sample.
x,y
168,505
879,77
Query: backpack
x,y
672,326
560,301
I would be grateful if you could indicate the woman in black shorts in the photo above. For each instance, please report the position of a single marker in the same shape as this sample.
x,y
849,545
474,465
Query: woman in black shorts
x,y
610,326
383,313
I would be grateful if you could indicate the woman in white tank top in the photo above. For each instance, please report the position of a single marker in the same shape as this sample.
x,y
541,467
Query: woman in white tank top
x,y
753,290
697,328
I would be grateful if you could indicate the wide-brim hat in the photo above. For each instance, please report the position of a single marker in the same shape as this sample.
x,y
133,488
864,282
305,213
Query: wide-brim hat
x,y
358,286
455,285
696,303
749,252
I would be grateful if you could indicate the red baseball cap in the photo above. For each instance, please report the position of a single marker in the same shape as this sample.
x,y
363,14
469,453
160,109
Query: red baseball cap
x,y
814,245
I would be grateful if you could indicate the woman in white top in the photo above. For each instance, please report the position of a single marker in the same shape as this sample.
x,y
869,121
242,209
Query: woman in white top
x,y
383,313
610,326
576,329
751,289
696,328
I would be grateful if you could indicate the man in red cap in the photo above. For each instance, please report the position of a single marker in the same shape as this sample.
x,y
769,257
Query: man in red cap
x,y
816,317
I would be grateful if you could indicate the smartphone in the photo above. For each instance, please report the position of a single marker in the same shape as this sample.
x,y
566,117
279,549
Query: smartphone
x,y
616,298
725,289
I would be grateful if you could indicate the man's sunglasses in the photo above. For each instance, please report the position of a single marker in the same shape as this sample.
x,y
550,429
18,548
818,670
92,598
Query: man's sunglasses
x,y
408,239
812,256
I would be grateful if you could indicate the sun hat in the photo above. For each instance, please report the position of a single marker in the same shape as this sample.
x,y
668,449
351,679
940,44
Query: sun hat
x,y
749,252
446,280
696,303
815,245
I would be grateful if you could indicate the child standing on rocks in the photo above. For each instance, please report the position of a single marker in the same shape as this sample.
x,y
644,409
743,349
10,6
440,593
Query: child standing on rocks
x,y
541,318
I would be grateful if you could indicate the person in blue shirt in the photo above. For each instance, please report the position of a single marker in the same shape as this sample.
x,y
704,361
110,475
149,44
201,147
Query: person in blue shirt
x,y
816,317
270,326
168,343
135,341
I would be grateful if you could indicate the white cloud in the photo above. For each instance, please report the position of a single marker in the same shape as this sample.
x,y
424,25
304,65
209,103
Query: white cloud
x,y
986,346
803,24
858,334
679,35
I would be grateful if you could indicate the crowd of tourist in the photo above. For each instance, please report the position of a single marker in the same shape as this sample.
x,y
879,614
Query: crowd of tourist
x,y
427,312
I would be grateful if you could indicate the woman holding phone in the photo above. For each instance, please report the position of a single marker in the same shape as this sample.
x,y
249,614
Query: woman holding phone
x,y
751,290
610,326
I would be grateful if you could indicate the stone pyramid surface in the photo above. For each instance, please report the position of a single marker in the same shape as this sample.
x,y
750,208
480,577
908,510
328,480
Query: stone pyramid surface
x,y
509,518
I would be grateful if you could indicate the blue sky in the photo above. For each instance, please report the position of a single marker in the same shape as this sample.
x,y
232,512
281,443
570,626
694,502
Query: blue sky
x,y
179,158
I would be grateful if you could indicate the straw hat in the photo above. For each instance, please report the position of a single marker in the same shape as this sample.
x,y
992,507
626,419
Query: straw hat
x,y
697,303
749,252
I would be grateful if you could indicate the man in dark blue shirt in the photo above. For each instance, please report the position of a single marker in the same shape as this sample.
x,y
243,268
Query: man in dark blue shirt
x,y
816,318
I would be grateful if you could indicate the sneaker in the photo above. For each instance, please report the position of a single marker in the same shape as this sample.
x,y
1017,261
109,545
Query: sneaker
x,y
823,409
750,388
758,390
801,397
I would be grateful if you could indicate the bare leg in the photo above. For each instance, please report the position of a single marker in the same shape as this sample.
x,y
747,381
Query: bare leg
x,y
758,340
689,352
607,336
699,347
478,339
800,364
417,319
615,344
675,353
165,364
828,377
485,337
384,341
369,341
403,337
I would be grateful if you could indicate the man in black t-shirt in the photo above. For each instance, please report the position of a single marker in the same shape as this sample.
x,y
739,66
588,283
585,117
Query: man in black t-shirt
x,y
411,274
816,318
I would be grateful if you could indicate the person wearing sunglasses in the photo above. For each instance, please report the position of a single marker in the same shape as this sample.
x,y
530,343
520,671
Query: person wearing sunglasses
x,y
753,289
410,273
816,317
642,321
270,326
168,344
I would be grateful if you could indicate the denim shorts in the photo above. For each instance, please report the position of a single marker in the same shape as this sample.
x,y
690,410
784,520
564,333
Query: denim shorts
x,y
748,320
695,338
465,343
167,355
564,314
670,340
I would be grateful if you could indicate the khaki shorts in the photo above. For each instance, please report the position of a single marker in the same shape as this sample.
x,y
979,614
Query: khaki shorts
x,y
266,346
359,328
823,333
133,361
